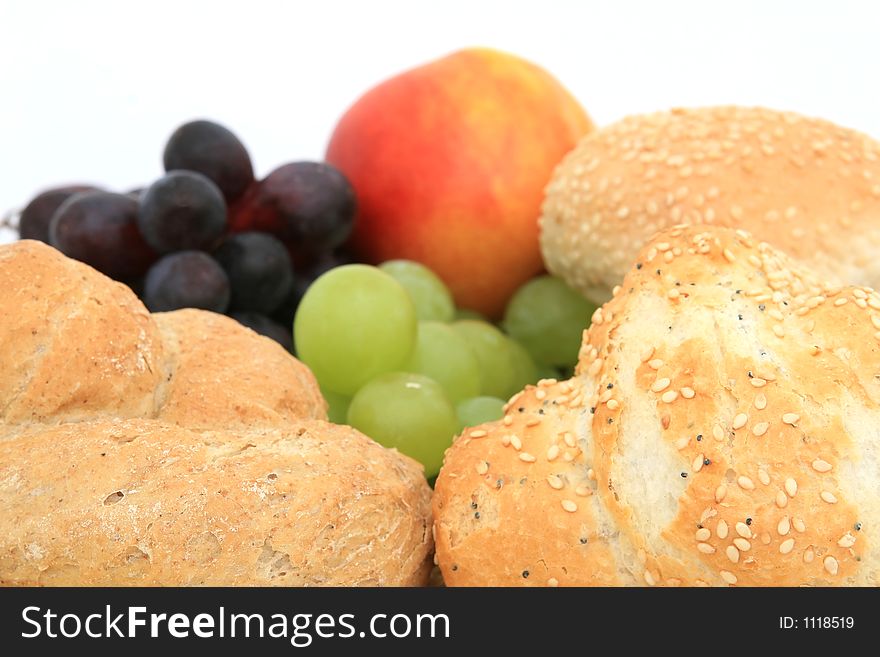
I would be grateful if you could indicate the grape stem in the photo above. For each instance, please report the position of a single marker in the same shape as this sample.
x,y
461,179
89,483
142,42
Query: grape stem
x,y
10,220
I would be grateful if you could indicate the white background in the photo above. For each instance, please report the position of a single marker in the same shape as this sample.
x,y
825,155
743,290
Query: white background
x,y
89,90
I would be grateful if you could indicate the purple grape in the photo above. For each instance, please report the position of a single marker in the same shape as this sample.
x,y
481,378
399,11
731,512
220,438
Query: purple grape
x,y
265,326
182,211
35,218
311,203
188,279
213,151
100,229
260,271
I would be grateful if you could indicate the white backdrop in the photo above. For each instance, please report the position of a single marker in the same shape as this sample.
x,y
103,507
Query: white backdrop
x,y
91,89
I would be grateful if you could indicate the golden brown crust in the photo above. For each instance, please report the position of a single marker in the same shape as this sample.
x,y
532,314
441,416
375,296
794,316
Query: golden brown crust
x,y
224,375
734,436
805,185
140,502
180,448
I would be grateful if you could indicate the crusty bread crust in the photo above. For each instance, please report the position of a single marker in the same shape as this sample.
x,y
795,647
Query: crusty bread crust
x,y
180,449
723,428
805,185
142,502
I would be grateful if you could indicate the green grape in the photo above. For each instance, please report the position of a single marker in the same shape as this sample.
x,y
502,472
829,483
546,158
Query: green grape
x,y
409,412
478,410
524,369
431,297
442,354
493,353
354,323
466,313
548,372
548,318
337,406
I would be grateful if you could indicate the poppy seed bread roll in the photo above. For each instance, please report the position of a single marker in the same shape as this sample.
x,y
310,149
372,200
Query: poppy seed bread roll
x,y
722,428
180,449
807,186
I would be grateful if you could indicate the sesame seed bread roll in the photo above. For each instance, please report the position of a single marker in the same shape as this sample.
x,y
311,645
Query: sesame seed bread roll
x,y
722,428
807,186
141,502
180,448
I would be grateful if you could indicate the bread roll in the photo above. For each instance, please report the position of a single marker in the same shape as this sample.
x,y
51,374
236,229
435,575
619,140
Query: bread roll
x,y
180,449
141,502
723,428
807,186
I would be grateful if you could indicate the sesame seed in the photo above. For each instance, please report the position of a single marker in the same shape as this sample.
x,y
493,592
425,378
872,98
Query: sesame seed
x,y
761,428
482,468
705,548
688,393
809,555
758,382
728,255
775,314
660,384
647,353
540,394
478,433
728,576
743,530
533,422
528,458
516,442
847,540
568,457
831,565
555,482
821,466
655,364
763,477
508,420
552,452
505,440
612,404
569,506
591,474
786,546
720,492
740,421
569,439
718,432
745,483
697,465
841,301
673,293
828,496
799,525
760,402
791,418
781,499
742,544
649,578
861,303
721,529
553,582
732,553
791,487
665,421
583,491
784,526
778,331
703,534
669,396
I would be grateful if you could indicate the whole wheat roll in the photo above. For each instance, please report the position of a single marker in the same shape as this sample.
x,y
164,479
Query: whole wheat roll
x,y
142,502
805,185
722,428
180,449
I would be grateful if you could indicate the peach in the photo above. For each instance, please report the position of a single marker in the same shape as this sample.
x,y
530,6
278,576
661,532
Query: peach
x,y
449,162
